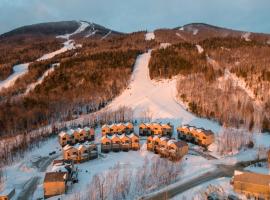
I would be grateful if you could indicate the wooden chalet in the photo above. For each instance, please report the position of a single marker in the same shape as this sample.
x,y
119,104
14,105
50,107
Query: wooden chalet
x,y
125,142
106,144
135,141
119,129
156,142
70,153
116,143
144,129
129,128
176,149
252,185
55,183
162,147
105,129
167,130
195,135
64,138
149,143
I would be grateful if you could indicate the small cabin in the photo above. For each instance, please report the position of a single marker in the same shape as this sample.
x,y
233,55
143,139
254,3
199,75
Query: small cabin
x,y
92,150
135,141
105,129
183,131
114,129
70,153
162,147
125,142
82,135
156,129
167,130
116,143
205,138
156,142
90,133
149,143
55,183
106,144
144,129
64,138
177,149
129,128
70,132
252,185
7,194
121,129
83,153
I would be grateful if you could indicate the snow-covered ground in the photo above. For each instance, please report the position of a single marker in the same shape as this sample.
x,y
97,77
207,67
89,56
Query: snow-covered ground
x,y
150,36
156,99
164,45
200,49
246,36
222,185
19,70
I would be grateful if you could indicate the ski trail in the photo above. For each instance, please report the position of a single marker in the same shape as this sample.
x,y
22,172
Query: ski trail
x,y
21,69
157,97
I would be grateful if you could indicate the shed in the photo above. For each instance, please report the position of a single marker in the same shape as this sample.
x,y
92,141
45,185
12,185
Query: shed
x,y
54,183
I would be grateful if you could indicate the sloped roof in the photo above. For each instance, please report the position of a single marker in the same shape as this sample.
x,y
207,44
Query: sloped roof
x,y
70,132
254,178
62,133
55,176
86,128
133,135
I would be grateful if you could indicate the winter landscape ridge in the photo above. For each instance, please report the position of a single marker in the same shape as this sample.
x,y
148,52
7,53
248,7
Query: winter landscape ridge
x,y
164,76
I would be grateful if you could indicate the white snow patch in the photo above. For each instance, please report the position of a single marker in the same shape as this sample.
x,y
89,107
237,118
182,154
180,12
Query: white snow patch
x,y
246,36
200,49
164,45
105,36
150,36
19,70
82,27
182,28
195,31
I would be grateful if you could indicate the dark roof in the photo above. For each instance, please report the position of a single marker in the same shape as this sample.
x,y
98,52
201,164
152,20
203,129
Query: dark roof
x,y
181,144
55,176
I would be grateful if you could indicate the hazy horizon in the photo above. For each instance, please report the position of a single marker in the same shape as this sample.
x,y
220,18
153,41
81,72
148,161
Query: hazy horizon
x,y
129,16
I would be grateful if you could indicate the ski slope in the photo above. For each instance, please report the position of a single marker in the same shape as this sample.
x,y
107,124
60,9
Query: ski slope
x,y
21,69
18,71
156,99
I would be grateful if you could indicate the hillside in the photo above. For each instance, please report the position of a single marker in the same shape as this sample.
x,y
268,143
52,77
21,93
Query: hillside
x,y
100,61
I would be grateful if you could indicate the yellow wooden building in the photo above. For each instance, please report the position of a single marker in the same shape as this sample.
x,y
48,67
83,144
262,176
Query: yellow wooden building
x,y
195,135
176,149
135,141
70,153
252,185
55,183
106,144
149,143
125,142
116,143
119,129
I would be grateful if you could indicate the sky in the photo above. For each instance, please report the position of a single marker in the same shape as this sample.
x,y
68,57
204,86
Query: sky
x,y
135,15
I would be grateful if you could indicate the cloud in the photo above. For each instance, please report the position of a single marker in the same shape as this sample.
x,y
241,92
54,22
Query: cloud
x,y
133,15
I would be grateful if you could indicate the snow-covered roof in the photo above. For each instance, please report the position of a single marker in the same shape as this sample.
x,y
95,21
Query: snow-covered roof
x,y
163,139
115,136
156,137
86,128
59,168
62,134
70,132
105,137
79,130
171,142
67,147
105,126
133,135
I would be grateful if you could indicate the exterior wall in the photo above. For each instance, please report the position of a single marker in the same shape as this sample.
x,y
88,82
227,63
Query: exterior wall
x,y
71,154
252,190
63,140
54,188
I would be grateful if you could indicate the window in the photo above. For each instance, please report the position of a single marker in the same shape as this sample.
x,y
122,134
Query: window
x,y
204,138
74,153
64,138
136,140
81,134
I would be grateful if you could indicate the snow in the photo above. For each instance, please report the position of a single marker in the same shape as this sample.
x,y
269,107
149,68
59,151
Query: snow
x,y
82,27
195,31
200,49
150,36
182,28
164,45
194,193
156,98
246,36
105,36
263,168
19,70
40,80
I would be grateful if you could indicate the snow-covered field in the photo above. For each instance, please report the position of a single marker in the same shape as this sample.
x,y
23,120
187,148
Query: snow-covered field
x,y
150,36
